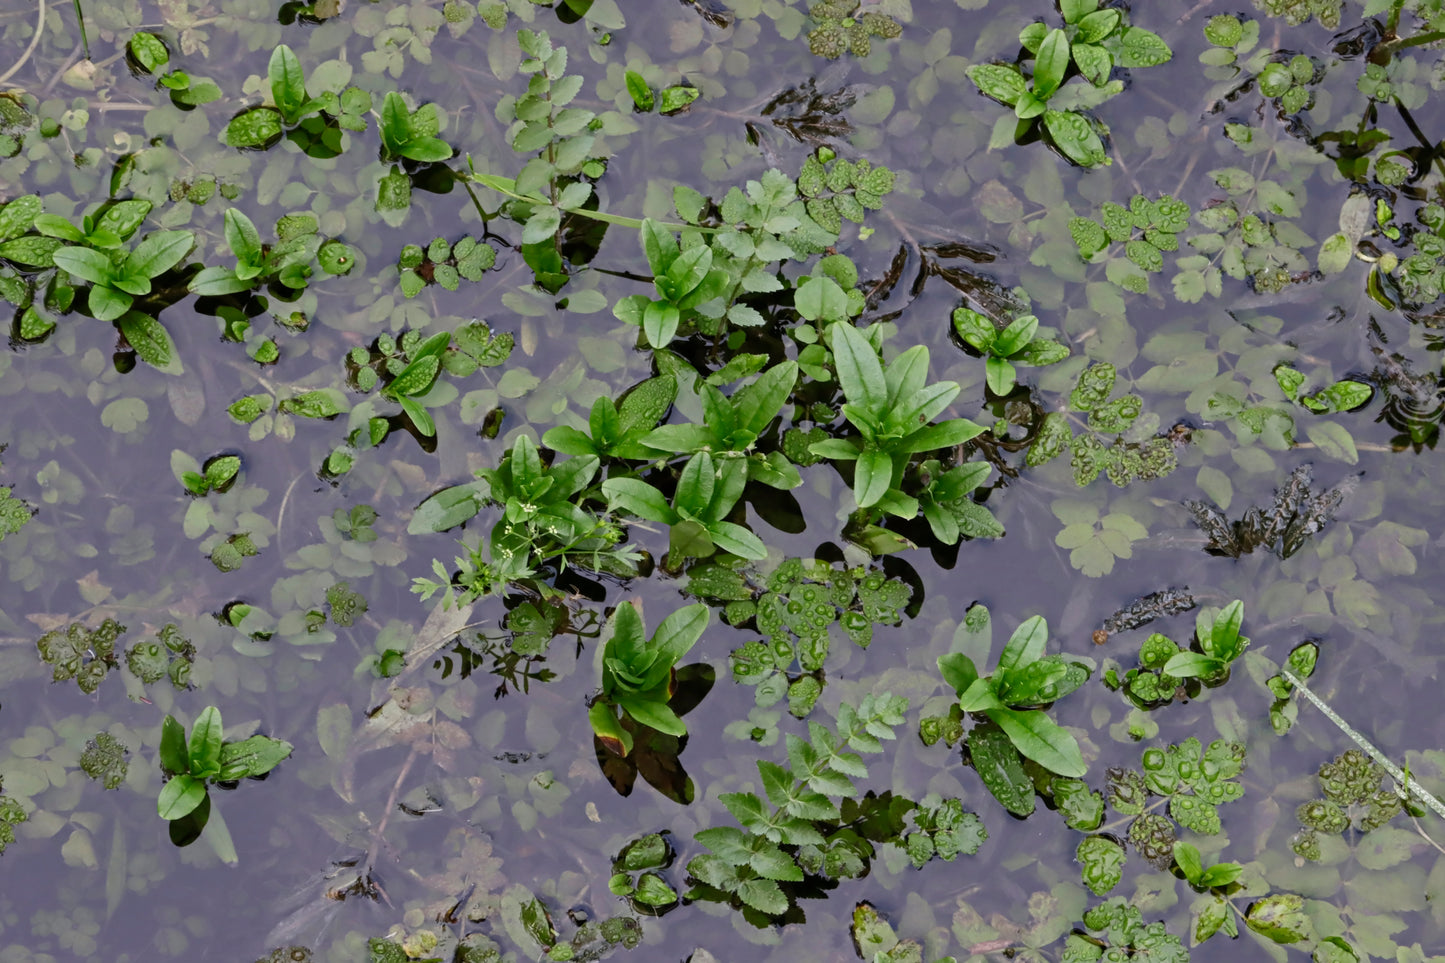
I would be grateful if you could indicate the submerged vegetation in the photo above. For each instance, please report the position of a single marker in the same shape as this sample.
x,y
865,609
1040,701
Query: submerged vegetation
x,y
788,358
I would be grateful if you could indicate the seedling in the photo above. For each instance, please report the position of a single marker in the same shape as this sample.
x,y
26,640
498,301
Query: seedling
x,y
639,674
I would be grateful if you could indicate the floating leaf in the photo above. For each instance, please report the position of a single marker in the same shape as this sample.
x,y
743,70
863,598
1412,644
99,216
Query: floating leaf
x,y
1102,859
256,128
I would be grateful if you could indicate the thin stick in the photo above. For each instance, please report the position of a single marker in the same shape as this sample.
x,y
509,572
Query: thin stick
x,y
34,41
1406,784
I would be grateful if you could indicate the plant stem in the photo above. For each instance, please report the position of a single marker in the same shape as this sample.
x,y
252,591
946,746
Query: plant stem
x,y
507,186
80,16
1418,40
1406,785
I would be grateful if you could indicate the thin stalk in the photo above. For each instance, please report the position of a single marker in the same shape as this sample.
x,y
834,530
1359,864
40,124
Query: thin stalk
x,y
80,16
1406,785
1433,155
507,186
1419,40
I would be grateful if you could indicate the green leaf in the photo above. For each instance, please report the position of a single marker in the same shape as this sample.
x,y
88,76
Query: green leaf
x,y
419,416
1032,684
1188,665
205,745
417,377
1280,917
242,236
17,216
1089,236
1220,874
221,470
1075,137
1012,339
685,273
655,715
1335,254
1039,738
320,403
254,756
872,477
945,434
255,128
958,671
679,632
1097,26
395,124
151,341
997,763
1002,83
336,258
1224,641
677,97
695,485
53,225
288,82
446,509
158,253
393,195
820,298
1189,862
1340,396
975,329
759,403
1051,65
180,796
427,150
871,934
652,890
660,321
640,92
1223,30
1026,645
85,263
148,50
1000,375
1290,381
764,896
1075,11
1142,48
660,247
979,696
680,438
608,730
1029,106
1041,351
838,449
1335,440
173,755
1103,861
216,281
638,497
31,251
1335,949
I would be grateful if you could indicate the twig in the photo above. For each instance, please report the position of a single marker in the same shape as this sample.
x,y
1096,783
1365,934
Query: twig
x,y
34,42
380,831
1426,836
1406,785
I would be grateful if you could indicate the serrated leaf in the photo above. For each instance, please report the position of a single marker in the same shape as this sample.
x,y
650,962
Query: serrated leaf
x,y
1102,861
